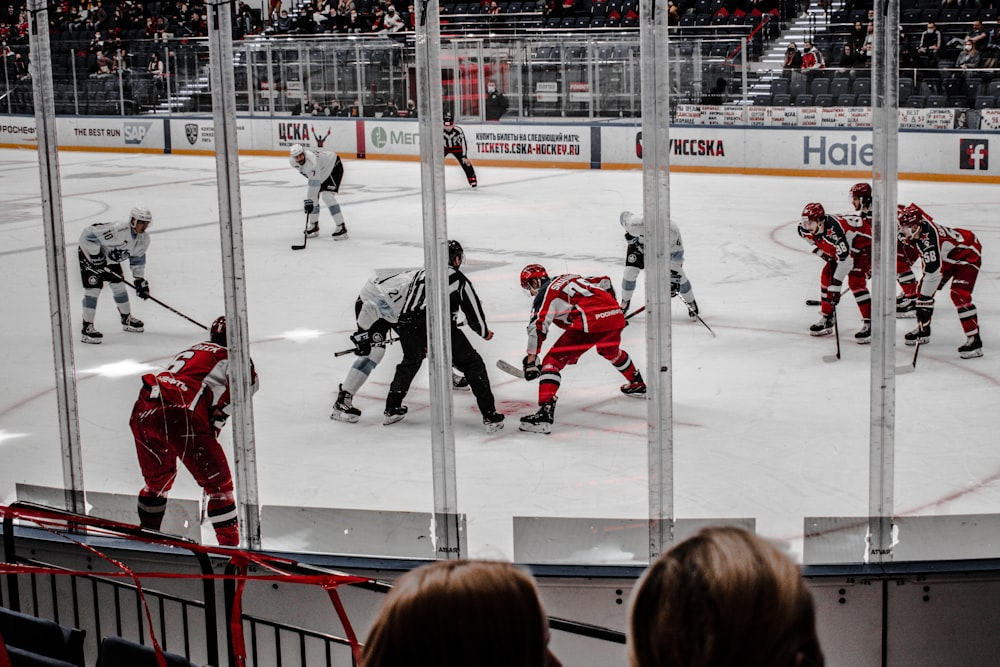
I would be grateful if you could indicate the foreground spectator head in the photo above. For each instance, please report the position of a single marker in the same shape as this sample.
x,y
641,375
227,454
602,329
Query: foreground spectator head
x,y
461,612
723,598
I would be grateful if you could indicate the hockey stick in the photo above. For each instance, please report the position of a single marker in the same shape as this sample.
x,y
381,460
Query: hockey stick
x,y
172,310
510,368
828,358
351,349
912,366
635,312
698,317
305,236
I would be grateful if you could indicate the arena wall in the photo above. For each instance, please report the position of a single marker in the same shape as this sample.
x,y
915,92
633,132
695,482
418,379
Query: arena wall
x,y
960,155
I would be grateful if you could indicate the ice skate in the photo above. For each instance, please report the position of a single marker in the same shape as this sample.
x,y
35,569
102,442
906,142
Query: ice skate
x,y
493,421
340,233
313,230
905,307
91,335
822,328
864,336
343,409
973,347
635,389
920,335
460,382
132,324
473,182
541,421
393,415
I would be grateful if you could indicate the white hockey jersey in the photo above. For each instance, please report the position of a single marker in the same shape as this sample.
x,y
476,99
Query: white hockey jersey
x,y
316,169
115,242
382,297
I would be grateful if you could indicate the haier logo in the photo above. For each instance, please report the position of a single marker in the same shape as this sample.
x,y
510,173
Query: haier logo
x,y
135,132
849,154
974,154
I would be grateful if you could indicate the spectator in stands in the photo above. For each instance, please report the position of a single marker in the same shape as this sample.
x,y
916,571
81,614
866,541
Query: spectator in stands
x,y
390,109
673,14
978,36
723,597
869,46
930,45
968,59
411,109
96,42
344,7
908,60
495,102
856,38
283,25
793,58
155,66
354,24
20,67
104,65
991,53
274,10
458,612
813,62
393,22
850,61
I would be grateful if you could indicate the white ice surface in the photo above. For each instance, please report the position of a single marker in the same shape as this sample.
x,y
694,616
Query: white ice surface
x,y
763,427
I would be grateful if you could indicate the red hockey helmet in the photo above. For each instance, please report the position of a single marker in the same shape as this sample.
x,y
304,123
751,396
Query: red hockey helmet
x,y
861,191
814,212
533,272
911,219
218,330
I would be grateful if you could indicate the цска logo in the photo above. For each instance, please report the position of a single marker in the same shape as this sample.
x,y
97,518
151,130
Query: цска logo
x,y
974,154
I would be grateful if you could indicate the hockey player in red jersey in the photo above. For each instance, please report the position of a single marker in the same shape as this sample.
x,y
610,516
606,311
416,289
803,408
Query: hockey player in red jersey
x,y
846,247
906,254
587,310
948,254
178,415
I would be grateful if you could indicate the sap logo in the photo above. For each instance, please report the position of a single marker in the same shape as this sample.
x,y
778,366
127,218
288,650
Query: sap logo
x,y
974,154
837,153
135,132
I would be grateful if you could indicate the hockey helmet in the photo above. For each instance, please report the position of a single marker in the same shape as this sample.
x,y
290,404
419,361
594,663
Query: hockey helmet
x,y
814,212
455,252
139,214
911,219
533,272
448,119
296,150
218,330
862,191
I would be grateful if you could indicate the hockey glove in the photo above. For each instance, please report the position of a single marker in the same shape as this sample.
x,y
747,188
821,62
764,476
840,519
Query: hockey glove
x,y
362,343
309,206
693,309
925,310
532,369
219,418
675,284
142,288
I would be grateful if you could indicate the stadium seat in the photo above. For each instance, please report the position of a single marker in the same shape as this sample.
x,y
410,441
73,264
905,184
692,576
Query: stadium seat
x,y
916,101
779,87
820,87
798,86
42,637
840,85
824,100
864,100
937,101
861,85
118,652
846,100
804,100
986,102
781,100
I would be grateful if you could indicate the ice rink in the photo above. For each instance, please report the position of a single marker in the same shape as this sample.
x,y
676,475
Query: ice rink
x,y
763,429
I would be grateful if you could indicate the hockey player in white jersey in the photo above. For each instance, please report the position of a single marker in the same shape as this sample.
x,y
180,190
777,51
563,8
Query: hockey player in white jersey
x,y
377,311
103,247
635,261
324,171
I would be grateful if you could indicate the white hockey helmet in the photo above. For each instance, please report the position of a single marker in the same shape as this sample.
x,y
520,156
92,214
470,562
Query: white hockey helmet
x,y
140,214
296,150
632,223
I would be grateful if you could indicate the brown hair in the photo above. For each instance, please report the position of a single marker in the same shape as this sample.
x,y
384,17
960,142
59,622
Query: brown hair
x,y
460,612
723,598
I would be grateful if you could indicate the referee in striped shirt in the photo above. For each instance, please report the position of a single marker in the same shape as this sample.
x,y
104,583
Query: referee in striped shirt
x,y
412,330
